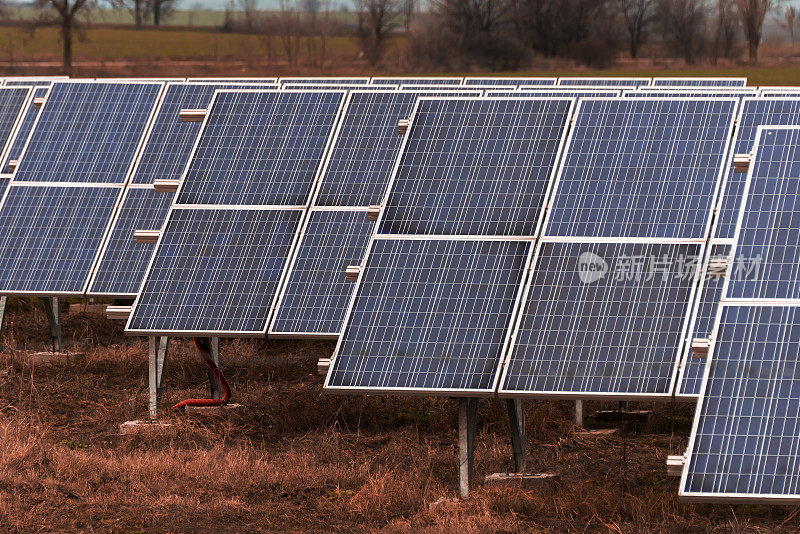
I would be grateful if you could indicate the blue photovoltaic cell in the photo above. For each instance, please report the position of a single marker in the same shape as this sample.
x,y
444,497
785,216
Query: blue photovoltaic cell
x,y
522,82
418,81
50,236
746,437
365,148
88,132
330,81
641,168
343,87
169,143
316,294
563,93
24,130
706,314
755,112
124,262
12,100
604,82
215,271
770,228
699,82
690,94
265,83
28,83
476,167
261,148
430,315
604,318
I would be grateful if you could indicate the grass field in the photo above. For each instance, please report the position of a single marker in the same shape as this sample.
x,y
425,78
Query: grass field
x,y
296,460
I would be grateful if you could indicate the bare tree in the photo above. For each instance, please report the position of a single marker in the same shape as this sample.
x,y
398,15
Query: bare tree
x,y
753,13
250,10
161,8
789,21
289,23
727,29
683,24
636,15
138,8
407,8
310,7
66,14
376,18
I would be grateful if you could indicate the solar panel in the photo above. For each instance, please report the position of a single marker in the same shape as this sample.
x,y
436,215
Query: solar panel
x,y
460,88
779,94
604,82
447,80
314,300
12,109
430,315
216,272
510,81
547,93
778,90
744,444
339,87
770,219
261,148
51,235
754,112
476,166
123,262
267,81
365,148
705,313
700,82
640,93
28,83
81,120
602,319
24,129
169,141
334,81
641,168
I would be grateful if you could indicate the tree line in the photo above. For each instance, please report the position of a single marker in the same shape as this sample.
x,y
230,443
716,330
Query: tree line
x,y
482,34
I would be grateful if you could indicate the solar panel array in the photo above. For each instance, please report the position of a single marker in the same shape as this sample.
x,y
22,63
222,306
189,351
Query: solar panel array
x,y
236,217
433,305
753,113
72,173
744,442
606,309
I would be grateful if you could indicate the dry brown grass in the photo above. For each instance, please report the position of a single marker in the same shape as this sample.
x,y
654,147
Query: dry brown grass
x,y
296,460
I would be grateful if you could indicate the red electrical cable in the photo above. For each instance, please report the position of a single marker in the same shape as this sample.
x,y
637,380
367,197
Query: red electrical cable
x,y
208,402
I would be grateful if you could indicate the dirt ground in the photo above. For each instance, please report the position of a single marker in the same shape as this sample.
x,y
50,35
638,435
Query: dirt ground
x,y
294,459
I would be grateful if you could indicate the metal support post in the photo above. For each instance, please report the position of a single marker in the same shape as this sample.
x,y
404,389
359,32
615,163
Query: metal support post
x,y
516,424
158,358
467,423
579,413
54,318
209,350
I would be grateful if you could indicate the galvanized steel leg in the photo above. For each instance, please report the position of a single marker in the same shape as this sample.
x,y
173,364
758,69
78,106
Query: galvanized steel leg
x,y
209,350
158,358
516,423
579,413
3,302
54,318
467,423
